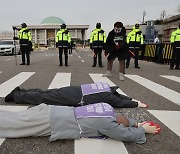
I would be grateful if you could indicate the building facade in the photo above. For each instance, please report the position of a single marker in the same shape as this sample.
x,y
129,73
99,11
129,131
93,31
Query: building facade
x,y
45,33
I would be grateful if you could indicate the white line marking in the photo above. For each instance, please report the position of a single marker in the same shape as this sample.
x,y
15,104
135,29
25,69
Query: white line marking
x,y
98,146
9,85
82,61
157,88
60,80
170,77
169,118
13,109
79,56
99,78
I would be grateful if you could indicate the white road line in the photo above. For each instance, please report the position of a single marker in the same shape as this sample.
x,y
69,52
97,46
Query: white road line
x,y
82,61
169,118
157,88
9,85
99,78
98,146
170,77
13,109
60,80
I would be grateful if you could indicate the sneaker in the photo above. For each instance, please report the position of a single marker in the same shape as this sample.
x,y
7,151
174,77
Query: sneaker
x,y
10,96
121,76
107,74
141,104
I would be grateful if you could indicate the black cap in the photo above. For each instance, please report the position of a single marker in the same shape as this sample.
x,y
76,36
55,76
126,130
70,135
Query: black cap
x,y
98,25
118,24
63,26
23,25
136,25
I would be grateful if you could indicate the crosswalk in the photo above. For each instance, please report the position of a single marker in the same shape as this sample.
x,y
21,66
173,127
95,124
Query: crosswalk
x,y
100,146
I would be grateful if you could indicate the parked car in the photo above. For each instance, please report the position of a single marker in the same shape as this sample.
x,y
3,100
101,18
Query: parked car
x,y
7,47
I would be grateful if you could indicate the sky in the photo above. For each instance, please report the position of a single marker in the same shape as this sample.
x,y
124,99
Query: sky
x,y
84,12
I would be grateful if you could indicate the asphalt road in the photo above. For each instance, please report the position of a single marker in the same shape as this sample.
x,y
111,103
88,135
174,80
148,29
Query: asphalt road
x,y
45,64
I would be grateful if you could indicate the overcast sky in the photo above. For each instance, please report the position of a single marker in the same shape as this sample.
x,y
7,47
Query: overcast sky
x,y
86,12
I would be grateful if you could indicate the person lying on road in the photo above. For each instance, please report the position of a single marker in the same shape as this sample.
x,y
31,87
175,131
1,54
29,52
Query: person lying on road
x,y
97,120
74,96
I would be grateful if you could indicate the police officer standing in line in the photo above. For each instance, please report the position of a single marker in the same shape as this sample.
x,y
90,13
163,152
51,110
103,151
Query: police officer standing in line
x,y
175,41
63,40
25,37
97,42
135,41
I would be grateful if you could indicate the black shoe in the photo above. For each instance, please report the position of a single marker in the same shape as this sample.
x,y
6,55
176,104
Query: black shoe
x,y
93,65
10,96
22,64
28,63
127,66
177,68
137,67
60,64
66,65
100,65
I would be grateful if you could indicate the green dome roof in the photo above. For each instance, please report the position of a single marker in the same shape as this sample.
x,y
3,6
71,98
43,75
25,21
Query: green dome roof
x,y
52,20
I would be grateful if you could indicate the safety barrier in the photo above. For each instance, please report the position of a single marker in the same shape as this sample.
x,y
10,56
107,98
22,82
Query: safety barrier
x,y
160,53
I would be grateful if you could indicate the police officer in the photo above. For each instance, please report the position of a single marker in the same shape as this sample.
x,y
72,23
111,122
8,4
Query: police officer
x,y
25,37
135,41
175,41
97,42
63,40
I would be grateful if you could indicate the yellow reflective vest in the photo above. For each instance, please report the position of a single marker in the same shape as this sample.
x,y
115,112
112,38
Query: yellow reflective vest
x,y
135,36
63,35
24,36
175,36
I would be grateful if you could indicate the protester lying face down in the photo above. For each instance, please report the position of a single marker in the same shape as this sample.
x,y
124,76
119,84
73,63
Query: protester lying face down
x,y
74,96
97,120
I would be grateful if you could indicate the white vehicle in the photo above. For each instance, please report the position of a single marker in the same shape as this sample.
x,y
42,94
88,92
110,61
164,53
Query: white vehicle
x,y
7,47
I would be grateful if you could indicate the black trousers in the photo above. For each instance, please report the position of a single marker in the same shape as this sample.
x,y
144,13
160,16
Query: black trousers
x,y
25,53
136,57
175,57
97,53
65,50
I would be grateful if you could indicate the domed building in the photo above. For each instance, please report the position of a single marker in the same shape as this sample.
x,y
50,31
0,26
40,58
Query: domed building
x,y
45,32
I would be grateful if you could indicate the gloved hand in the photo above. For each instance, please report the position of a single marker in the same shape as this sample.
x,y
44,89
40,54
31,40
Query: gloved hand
x,y
150,127
15,38
91,47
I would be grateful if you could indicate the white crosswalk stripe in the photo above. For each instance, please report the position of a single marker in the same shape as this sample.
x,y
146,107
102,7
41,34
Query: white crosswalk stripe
x,y
61,80
8,86
157,88
168,118
170,77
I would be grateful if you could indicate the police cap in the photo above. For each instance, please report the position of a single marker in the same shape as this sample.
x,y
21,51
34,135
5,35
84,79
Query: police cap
x,y
136,25
23,25
98,25
63,26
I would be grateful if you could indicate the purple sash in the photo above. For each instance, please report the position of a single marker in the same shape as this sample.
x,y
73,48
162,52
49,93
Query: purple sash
x,y
94,110
94,88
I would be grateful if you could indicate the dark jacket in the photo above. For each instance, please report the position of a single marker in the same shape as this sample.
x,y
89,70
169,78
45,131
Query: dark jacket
x,y
71,96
